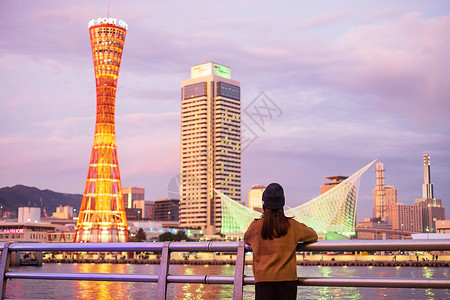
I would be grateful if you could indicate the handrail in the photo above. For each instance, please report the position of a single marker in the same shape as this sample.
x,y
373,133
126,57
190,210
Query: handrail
x,y
377,245
238,279
4,266
350,245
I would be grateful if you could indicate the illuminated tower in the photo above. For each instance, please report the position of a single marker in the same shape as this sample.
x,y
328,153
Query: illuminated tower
x,y
210,145
102,214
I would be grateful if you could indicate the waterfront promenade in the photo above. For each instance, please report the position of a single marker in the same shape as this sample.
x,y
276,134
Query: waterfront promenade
x,y
419,260
239,254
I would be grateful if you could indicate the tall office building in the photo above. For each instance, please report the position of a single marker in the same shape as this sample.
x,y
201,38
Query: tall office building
x,y
384,196
432,209
210,145
102,215
255,197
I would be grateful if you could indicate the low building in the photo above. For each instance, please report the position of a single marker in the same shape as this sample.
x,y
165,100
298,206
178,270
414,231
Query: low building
x,y
167,210
153,229
61,237
147,208
335,180
430,236
26,231
63,212
134,214
131,194
33,230
443,226
29,214
373,224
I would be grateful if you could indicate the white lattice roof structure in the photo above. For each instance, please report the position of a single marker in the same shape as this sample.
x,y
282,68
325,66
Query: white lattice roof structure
x,y
331,212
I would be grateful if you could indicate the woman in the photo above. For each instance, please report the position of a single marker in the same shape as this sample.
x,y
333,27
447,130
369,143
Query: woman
x,y
274,238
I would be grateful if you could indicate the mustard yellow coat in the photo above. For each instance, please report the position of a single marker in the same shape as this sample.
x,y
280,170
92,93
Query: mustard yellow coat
x,y
275,260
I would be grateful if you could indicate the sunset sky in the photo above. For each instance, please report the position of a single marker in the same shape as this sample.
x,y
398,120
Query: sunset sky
x,y
354,81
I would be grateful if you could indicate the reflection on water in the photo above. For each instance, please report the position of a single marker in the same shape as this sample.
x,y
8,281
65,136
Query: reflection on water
x,y
99,290
428,272
200,291
48,289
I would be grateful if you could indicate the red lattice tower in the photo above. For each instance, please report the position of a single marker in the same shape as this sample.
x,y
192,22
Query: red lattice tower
x,y
102,215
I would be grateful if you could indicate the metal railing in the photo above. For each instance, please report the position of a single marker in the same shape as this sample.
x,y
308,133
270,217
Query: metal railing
x,y
238,280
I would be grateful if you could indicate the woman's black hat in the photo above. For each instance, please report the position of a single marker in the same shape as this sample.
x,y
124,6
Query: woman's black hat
x,y
273,196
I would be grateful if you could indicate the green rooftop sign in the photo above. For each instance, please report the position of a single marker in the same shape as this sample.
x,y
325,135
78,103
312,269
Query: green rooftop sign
x,y
221,71
210,68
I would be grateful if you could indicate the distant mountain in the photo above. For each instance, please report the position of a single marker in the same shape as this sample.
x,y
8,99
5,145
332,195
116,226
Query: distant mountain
x,y
19,195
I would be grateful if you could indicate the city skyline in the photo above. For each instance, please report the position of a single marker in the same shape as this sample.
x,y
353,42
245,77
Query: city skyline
x,y
352,81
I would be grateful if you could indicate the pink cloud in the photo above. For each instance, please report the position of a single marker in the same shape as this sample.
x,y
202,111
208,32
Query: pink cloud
x,y
404,61
326,19
384,14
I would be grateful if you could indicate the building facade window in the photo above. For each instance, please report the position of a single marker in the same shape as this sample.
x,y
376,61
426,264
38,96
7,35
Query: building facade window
x,y
228,90
194,90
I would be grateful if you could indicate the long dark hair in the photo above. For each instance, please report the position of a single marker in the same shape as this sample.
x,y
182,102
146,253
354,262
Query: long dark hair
x,y
275,223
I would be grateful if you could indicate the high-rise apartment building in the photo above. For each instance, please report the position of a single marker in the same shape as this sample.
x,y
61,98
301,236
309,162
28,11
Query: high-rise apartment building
x,y
384,196
432,209
255,197
406,217
131,194
210,145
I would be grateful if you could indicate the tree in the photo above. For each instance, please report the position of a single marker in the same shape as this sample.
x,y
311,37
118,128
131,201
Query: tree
x,y
139,237
181,236
167,236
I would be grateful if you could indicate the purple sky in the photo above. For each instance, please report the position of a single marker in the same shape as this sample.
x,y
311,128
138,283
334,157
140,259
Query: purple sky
x,y
355,81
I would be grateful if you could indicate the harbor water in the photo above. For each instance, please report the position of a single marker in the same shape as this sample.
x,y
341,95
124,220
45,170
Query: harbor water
x,y
51,289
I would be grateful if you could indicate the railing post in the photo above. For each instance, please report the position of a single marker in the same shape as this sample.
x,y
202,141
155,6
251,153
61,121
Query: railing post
x,y
161,290
238,289
4,266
